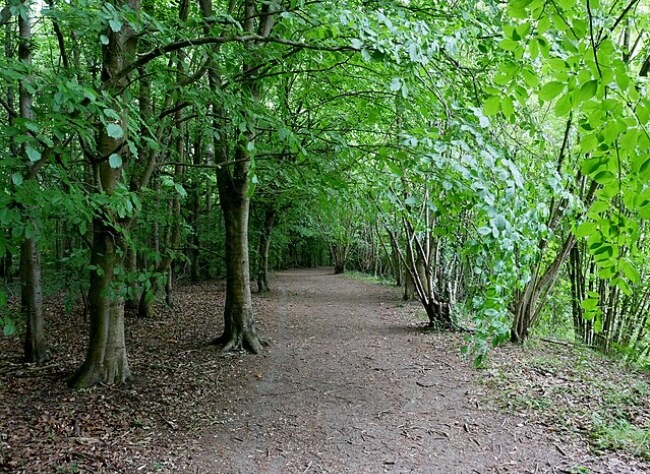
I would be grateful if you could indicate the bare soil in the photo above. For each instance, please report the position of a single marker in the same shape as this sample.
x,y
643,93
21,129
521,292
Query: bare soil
x,y
350,383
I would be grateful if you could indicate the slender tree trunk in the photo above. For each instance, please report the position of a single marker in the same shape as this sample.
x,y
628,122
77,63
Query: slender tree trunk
x,y
172,240
340,257
232,182
263,254
30,259
528,306
135,292
195,240
32,301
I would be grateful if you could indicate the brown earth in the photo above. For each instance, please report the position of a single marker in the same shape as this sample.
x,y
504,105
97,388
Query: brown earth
x,y
350,384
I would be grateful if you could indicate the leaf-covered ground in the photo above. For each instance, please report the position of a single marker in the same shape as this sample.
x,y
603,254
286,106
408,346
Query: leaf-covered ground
x,y
350,384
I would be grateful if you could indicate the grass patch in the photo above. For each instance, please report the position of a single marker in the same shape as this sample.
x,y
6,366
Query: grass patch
x,y
359,276
577,392
621,435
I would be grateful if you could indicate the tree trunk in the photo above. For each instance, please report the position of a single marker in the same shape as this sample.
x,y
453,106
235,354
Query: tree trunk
x,y
32,301
264,246
30,259
232,182
135,292
528,306
239,325
340,257
172,240
195,241
106,359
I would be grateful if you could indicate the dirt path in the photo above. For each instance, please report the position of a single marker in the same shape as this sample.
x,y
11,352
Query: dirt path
x,y
350,385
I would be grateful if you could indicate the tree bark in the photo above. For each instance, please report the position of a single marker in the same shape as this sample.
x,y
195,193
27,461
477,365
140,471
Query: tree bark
x,y
131,268
529,304
30,259
106,358
264,246
232,182
239,325
32,301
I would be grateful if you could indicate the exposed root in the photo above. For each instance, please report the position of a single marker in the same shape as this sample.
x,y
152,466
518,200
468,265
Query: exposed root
x,y
243,343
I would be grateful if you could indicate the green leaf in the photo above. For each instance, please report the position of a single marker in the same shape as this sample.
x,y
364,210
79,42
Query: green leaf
x,y
630,272
104,39
180,189
115,160
395,168
509,45
114,131
567,4
507,106
491,106
589,303
357,43
586,229
587,144
586,91
115,25
551,90
395,84
563,105
604,177
32,153
9,328
111,114
17,179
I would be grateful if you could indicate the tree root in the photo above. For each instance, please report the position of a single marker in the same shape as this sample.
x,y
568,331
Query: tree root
x,y
250,343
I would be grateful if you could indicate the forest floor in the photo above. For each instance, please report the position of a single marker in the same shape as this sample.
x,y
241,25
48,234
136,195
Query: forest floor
x,y
351,383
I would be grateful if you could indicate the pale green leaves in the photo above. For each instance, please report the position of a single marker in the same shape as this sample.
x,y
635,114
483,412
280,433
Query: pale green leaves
x,y
571,97
492,106
115,160
115,25
397,85
32,153
586,229
17,179
114,131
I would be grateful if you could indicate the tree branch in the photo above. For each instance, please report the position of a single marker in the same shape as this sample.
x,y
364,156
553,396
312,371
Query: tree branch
x,y
214,40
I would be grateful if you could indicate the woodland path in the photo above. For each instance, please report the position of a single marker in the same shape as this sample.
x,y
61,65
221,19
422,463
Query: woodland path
x,y
352,385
